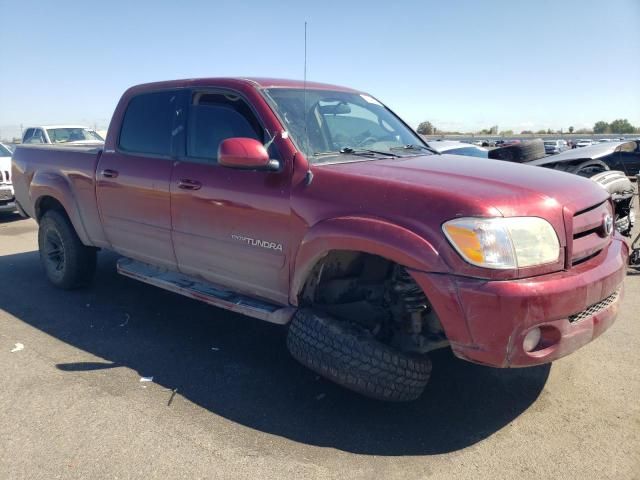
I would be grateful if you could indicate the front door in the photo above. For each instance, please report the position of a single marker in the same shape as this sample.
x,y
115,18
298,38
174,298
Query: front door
x,y
133,179
230,226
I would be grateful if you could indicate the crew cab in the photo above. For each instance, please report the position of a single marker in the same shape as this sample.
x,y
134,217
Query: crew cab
x,y
316,207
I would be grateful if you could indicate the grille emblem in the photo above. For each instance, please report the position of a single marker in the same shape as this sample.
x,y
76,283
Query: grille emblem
x,y
607,224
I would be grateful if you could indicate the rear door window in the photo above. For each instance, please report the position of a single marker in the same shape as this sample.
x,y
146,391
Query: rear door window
x,y
151,124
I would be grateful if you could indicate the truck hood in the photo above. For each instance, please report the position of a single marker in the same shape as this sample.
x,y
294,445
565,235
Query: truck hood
x,y
482,186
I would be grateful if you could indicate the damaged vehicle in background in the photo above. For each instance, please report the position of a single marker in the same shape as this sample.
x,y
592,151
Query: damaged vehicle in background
x,y
608,164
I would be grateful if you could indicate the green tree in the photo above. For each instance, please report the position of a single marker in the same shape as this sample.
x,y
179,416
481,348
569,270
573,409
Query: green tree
x,y
571,129
601,127
541,132
426,128
506,133
621,125
526,132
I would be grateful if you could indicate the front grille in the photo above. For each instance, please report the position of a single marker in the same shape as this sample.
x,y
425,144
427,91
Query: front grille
x,y
595,308
589,236
6,195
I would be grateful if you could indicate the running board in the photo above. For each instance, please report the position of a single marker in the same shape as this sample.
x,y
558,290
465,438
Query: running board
x,y
204,291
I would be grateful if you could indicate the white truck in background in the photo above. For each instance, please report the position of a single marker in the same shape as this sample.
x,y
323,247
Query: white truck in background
x,y
7,197
62,135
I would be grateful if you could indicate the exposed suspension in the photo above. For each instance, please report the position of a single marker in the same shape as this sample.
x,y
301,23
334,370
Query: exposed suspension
x,y
411,296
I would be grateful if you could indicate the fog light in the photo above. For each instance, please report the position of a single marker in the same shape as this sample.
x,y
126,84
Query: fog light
x,y
531,339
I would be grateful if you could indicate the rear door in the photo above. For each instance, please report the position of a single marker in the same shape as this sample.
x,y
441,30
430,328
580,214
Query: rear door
x,y
133,179
230,226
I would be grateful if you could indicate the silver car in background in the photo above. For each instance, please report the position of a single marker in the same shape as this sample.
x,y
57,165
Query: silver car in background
x,y
551,147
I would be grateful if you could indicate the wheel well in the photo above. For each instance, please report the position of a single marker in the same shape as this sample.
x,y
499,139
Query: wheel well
x,y
337,264
376,293
46,203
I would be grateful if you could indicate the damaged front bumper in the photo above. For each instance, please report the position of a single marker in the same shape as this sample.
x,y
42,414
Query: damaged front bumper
x,y
487,321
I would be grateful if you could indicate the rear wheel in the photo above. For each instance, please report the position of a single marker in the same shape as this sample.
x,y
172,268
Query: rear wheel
x,y
67,263
352,357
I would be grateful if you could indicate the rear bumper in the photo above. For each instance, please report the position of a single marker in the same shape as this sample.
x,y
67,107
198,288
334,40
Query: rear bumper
x,y
487,321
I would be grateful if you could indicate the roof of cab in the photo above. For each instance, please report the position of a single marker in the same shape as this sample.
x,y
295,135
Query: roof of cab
x,y
256,82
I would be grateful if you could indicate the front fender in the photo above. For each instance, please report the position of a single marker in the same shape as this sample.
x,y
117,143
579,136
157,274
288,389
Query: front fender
x,y
50,184
367,235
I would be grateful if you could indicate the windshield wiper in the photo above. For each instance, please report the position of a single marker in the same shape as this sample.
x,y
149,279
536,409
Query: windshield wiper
x,y
412,146
365,152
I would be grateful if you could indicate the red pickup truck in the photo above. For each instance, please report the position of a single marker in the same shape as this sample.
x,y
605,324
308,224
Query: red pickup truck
x,y
315,206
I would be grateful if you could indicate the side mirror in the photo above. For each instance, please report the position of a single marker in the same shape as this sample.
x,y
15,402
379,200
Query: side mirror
x,y
245,153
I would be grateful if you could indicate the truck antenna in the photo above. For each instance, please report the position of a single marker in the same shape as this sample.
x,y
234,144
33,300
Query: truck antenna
x,y
304,83
309,174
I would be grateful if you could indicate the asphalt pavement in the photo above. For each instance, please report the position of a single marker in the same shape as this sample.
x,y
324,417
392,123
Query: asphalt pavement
x,y
123,380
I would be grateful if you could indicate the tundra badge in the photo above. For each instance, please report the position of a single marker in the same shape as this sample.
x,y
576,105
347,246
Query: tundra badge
x,y
256,242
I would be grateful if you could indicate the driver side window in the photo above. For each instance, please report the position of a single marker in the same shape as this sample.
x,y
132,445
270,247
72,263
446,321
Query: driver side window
x,y
214,117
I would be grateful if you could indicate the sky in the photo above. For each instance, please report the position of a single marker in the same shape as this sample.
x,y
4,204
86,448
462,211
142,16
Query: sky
x,y
463,65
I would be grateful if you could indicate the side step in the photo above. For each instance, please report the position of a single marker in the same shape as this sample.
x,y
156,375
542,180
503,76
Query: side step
x,y
204,291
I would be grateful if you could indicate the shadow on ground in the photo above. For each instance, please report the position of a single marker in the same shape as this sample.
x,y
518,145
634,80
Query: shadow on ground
x,y
8,217
239,368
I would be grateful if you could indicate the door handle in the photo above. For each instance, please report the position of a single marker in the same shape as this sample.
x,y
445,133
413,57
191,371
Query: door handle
x,y
186,184
109,173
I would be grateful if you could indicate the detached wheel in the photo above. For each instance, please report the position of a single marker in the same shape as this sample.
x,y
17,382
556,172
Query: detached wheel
x,y
350,356
67,263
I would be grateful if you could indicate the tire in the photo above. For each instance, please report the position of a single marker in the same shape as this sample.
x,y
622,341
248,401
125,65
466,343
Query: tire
x,y
621,190
589,168
614,182
67,263
353,358
526,151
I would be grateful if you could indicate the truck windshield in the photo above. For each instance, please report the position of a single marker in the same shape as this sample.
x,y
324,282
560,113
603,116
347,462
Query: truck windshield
x,y
72,134
337,124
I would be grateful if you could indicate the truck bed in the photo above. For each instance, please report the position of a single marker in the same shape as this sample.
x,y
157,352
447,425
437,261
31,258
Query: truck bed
x,y
37,169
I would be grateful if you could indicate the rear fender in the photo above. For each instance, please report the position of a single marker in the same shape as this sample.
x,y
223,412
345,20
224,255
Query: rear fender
x,y
48,184
366,235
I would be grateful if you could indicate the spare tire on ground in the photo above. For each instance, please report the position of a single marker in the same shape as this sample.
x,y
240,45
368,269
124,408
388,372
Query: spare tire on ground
x,y
614,182
622,192
525,151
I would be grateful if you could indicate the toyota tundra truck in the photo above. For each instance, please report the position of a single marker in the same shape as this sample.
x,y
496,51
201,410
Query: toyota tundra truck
x,y
316,207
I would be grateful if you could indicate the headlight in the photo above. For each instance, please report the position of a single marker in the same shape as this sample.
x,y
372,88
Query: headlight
x,y
504,243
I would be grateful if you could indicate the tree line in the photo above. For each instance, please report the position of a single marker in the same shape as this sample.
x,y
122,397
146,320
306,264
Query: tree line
x,y
619,126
